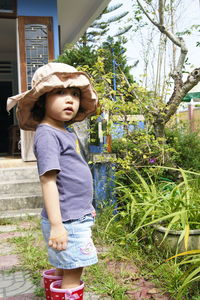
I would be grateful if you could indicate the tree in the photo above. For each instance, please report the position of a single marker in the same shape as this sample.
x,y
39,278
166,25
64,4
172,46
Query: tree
x,y
79,55
115,57
112,52
100,27
162,112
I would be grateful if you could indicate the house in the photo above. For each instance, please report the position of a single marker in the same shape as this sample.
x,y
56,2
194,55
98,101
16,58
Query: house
x,y
33,33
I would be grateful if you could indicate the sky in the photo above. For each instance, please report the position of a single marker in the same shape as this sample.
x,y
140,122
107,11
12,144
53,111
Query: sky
x,y
187,16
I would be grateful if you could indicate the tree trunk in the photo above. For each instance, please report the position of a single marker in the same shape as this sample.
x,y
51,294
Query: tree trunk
x,y
159,129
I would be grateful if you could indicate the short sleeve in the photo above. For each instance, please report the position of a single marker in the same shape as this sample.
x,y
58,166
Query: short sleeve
x,y
47,152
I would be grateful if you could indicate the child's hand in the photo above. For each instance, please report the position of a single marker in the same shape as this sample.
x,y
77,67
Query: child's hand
x,y
58,237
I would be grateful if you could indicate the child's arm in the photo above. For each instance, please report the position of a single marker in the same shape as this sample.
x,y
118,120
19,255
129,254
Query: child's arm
x,y
58,234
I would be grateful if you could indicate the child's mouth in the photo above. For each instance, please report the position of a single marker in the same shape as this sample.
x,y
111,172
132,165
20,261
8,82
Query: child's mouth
x,y
68,109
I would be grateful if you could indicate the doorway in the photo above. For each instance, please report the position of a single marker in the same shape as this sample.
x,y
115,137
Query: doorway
x,y
6,120
8,80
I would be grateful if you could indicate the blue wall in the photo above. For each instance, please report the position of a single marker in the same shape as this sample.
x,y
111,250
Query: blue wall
x,y
104,184
39,8
118,130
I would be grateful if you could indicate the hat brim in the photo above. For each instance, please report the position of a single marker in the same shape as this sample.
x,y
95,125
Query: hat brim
x,y
25,101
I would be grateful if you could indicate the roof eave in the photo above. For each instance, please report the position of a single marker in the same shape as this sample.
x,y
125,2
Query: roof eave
x,y
74,22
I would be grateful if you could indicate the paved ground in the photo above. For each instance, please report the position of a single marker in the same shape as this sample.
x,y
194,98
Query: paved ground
x,y
17,285
14,283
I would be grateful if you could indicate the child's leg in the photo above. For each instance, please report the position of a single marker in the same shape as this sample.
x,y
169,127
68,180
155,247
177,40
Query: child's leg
x,y
71,278
58,272
50,276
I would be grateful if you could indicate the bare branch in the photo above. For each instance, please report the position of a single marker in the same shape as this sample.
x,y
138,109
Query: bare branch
x,y
162,115
161,12
182,56
192,80
173,38
160,26
180,90
146,14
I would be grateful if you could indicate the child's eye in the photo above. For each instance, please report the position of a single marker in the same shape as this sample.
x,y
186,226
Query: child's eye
x,y
60,92
76,94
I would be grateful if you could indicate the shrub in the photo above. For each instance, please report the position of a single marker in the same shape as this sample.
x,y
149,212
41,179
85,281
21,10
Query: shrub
x,y
187,147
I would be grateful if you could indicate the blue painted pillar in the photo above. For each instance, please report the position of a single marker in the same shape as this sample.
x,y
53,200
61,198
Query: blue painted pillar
x,y
103,171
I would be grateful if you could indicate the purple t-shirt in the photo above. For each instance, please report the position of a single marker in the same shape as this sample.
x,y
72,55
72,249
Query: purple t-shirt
x,y
56,149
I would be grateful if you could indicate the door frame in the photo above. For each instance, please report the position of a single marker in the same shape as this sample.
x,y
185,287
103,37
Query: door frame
x,y
27,137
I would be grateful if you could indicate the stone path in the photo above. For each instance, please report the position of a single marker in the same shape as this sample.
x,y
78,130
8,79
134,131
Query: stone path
x,y
14,283
17,285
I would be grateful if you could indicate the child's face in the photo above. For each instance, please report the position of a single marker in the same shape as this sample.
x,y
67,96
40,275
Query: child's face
x,y
62,105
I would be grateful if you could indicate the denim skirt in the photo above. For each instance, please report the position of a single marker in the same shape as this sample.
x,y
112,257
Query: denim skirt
x,y
80,251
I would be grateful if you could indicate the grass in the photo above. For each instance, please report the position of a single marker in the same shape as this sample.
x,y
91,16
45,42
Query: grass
x,y
103,282
122,260
32,250
148,258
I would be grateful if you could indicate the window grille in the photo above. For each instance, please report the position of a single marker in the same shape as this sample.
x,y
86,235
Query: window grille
x,y
36,45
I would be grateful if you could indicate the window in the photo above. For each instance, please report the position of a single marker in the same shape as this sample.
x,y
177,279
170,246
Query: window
x,y
7,8
36,46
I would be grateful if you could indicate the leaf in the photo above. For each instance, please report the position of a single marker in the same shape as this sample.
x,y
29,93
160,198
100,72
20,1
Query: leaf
x,y
183,254
190,261
111,220
142,220
191,277
174,220
181,237
186,238
159,220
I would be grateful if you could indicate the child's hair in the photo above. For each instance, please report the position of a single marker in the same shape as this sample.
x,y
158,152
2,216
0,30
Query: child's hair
x,y
38,110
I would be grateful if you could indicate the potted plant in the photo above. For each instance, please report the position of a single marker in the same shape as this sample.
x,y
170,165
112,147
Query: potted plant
x,y
171,208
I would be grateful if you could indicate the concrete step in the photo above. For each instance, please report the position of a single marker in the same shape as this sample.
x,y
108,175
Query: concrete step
x,y
8,202
20,213
20,173
20,187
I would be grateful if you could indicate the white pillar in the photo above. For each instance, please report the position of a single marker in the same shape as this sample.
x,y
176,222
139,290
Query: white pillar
x,y
27,145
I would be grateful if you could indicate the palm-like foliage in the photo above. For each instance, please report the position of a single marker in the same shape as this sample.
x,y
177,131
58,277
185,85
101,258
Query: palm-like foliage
x,y
145,201
100,27
191,258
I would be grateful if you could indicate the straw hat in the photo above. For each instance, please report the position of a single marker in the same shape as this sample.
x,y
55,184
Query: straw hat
x,y
47,78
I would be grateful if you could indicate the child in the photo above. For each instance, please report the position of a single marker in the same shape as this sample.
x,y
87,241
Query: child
x,y
60,96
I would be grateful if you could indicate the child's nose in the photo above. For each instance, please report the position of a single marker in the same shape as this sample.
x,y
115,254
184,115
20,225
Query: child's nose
x,y
69,100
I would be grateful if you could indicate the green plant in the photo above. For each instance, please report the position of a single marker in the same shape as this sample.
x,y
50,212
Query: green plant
x,y
192,274
33,255
32,250
103,282
125,244
147,200
139,147
141,251
186,144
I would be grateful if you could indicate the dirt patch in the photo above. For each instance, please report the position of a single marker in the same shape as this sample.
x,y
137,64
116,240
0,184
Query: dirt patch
x,y
138,287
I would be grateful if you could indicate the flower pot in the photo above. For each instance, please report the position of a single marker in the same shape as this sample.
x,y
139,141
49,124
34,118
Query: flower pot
x,y
171,240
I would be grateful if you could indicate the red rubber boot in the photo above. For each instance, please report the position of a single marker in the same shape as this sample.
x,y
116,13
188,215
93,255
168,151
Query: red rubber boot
x,y
66,294
48,278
